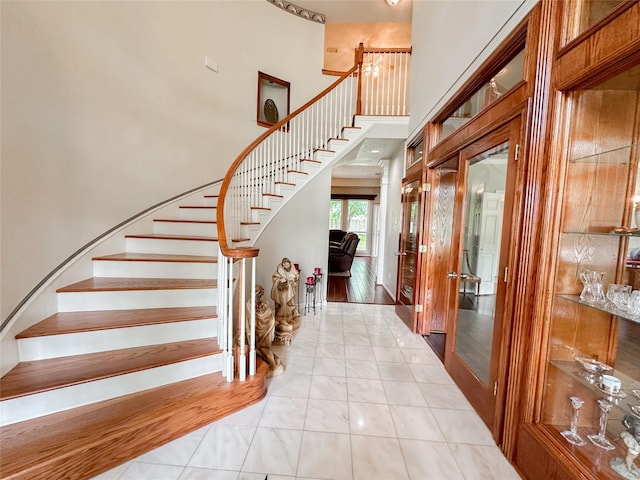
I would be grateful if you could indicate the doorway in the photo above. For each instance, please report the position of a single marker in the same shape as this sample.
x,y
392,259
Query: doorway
x,y
478,325
408,265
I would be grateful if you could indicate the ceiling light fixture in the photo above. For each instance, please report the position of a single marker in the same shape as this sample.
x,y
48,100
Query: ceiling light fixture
x,y
375,151
392,3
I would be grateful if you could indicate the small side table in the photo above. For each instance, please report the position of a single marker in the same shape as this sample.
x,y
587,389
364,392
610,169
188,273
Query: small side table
x,y
310,297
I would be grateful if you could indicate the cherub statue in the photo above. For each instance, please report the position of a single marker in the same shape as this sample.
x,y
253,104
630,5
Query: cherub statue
x,y
265,332
284,293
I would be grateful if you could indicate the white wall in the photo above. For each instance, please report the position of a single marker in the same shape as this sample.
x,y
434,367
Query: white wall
x,y
107,108
450,40
393,222
300,232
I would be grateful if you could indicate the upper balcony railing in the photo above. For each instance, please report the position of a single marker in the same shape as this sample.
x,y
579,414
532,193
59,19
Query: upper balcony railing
x,y
375,85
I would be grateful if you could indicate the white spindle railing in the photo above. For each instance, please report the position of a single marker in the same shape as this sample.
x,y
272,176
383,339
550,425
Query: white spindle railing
x,y
267,164
385,77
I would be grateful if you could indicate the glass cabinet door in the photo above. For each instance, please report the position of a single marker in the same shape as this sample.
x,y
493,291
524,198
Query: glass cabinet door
x,y
591,394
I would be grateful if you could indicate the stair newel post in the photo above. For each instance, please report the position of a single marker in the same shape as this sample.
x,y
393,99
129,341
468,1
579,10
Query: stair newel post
x,y
229,314
242,334
359,61
252,345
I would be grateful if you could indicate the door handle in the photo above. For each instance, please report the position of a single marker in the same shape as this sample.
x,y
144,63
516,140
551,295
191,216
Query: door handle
x,y
400,254
452,275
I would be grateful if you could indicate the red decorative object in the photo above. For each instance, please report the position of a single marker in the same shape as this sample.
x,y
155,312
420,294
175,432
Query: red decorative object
x,y
311,280
317,270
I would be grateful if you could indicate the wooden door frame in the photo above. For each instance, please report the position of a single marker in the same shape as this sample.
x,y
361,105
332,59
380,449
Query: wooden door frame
x,y
490,412
409,315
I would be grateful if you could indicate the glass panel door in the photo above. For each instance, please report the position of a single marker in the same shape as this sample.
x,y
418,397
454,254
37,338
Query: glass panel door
x,y
478,328
408,252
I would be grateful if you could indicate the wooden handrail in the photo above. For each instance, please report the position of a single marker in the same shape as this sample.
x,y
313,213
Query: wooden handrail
x,y
222,236
372,97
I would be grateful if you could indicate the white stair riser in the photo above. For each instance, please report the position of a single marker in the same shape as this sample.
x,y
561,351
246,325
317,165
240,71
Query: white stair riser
x,y
351,133
45,403
311,167
323,156
297,178
283,189
54,346
213,201
198,214
260,215
185,228
171,246
271,202
133,269
338,144
126,299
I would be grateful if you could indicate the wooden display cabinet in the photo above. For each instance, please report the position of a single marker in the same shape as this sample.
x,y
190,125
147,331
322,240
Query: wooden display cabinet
x,y
593,191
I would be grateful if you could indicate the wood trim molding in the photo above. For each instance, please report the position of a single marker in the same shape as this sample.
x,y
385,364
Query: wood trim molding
x,y
603,53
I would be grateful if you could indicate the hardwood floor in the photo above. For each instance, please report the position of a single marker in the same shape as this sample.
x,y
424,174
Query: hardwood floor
x,y
360,287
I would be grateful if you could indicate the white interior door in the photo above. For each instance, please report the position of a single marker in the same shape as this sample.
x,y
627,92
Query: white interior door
x,y
489,241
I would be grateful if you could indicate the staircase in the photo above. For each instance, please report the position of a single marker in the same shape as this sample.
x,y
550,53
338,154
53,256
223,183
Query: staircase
x,y
130,361
135,355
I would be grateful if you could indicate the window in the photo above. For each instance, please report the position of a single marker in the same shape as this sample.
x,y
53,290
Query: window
x,y
356,220
500,82
335,215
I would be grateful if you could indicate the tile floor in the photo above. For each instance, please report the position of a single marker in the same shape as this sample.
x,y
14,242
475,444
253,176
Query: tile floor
x,y
361,398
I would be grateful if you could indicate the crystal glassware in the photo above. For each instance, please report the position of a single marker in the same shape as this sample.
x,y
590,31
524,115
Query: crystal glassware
x,y
600,439
572,435
592,291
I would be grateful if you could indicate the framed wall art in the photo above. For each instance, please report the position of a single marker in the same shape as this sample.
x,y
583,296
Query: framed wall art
x,y
273,99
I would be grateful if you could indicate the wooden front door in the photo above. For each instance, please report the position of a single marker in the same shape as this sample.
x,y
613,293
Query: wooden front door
x,y
478,328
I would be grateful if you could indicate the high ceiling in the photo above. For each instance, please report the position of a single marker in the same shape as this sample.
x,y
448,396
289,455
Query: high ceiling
x,y
359,11
364,160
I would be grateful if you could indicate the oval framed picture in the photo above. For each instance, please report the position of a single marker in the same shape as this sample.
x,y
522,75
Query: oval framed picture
x,y
270,111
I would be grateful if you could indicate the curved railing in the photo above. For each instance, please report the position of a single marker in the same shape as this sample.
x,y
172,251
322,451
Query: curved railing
x,y
265,166
375,85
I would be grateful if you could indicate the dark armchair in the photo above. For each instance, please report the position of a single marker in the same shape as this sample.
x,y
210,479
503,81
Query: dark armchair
x,y
341,256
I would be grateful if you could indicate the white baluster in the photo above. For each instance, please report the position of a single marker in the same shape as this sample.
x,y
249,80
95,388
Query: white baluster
x,y
242,333
229,309
252,346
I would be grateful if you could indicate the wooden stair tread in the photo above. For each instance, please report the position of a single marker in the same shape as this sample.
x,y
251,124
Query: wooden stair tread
x,y
74,322
113,284
173,237
86,441
312,160
37,376
180,220
157,257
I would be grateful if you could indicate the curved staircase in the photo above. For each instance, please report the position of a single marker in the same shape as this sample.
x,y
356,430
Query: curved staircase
x,y
129,362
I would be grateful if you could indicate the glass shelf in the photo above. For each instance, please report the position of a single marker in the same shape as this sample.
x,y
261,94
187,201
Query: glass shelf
x,y
629,384
607,308
608,156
